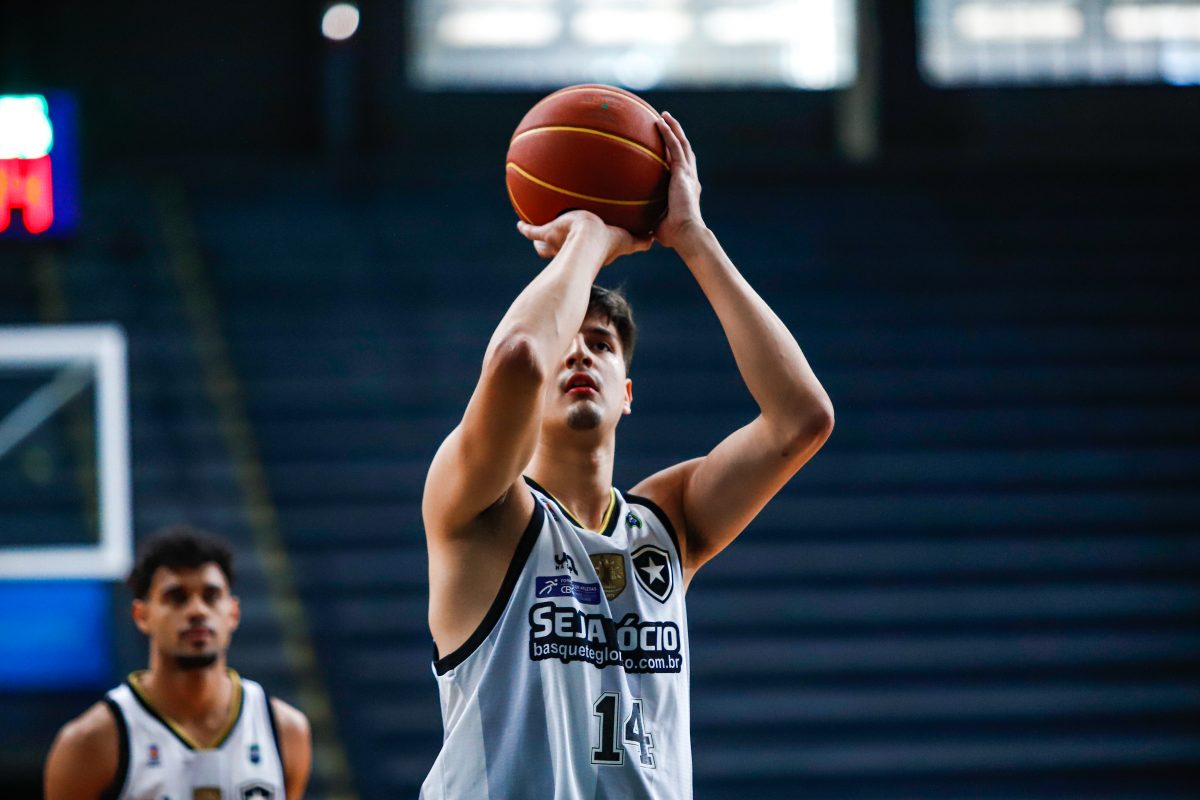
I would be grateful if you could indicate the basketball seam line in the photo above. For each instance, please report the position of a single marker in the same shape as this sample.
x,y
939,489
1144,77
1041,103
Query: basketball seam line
x,y
600,88
569,193
516,205
572,129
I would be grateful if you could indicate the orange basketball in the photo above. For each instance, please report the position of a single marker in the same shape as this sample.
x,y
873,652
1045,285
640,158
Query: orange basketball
x,y
593,147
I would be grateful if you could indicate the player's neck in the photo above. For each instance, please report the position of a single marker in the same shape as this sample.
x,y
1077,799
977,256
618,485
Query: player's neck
x,y
579,477
187,694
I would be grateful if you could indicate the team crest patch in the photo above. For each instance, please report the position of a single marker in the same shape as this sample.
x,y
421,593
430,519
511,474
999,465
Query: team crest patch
x,y
652,566
610,568
255,791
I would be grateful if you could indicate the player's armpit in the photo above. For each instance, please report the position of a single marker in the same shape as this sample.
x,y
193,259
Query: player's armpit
x,y
717,496
84,757
482,459
295,742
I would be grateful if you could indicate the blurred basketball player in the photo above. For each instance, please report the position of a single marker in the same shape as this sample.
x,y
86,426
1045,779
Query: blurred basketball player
x,y
556,602
188,727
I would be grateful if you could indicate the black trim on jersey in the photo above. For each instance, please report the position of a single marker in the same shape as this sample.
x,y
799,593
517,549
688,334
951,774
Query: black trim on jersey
x,y
275,735
662,517
524,547
114,789
613,518
167,724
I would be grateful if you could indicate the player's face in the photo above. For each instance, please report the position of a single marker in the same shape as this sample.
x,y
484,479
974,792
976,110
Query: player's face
x,y
189,614
590,390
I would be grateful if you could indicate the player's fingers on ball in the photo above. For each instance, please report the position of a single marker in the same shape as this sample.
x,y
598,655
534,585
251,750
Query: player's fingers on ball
x,y
674,146
687,143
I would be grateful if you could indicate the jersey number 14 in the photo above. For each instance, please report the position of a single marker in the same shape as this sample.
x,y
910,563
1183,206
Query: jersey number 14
x,y
611,750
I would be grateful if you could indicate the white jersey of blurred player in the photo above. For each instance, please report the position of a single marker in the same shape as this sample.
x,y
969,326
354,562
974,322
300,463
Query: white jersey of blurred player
x,y
161,760
187,726
587,640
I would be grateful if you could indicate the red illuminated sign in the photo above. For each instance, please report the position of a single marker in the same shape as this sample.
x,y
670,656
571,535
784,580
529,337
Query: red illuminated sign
x,y
39,182
26,184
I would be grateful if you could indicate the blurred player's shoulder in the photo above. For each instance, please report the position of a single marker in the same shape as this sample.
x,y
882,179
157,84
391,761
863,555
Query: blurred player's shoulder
x,y
294,730
94,731
85,755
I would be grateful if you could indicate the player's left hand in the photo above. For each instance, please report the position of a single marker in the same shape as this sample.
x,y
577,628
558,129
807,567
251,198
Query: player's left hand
x,y
548,239
683,222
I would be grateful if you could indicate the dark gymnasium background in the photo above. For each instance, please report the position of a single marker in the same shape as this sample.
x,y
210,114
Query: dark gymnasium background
x,y
980,220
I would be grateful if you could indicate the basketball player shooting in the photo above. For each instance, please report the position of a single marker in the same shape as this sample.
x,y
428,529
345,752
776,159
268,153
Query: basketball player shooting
x,y
556,602
188,727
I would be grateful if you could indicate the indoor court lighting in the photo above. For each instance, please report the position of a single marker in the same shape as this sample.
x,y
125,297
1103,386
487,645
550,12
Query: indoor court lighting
x,y
1018,21
770,23
639,71
340,21
499,27
1159,22
615,26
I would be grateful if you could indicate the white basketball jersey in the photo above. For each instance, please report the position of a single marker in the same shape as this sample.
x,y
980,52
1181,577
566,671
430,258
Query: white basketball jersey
x,y
575,685
159,761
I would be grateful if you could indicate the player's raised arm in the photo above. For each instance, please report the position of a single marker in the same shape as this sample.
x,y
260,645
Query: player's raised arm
x,y
483,457
714,497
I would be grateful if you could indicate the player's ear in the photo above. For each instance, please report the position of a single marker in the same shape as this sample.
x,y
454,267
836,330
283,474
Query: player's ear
x,y
138,611
627,407
235,613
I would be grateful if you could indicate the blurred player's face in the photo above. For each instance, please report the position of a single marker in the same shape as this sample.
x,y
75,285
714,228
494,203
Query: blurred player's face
x,y
189,615
590,391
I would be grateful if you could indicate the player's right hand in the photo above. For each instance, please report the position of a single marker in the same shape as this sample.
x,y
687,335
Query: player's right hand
x,y
548,239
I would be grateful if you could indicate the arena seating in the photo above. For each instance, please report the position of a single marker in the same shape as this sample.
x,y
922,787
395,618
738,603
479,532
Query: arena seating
x,y
983,586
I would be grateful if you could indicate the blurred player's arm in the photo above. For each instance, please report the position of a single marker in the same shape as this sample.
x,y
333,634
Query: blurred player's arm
x,y
482,459
82,762
295,742
713,498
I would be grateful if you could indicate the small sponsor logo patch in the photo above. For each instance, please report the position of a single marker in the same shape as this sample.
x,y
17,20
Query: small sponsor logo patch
x,y
255,754
154,760
562,586
564,561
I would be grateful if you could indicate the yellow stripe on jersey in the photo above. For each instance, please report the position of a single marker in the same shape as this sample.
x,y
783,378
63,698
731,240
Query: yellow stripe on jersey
x,y
235,710
612,504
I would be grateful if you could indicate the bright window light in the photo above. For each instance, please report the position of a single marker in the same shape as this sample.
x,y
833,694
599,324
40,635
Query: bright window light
x,y
614,26
1064,42
499,27
806,44
340,21
1146,23
1018,21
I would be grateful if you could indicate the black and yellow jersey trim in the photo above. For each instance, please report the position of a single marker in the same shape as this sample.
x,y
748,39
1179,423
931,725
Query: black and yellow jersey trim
x,y
608,522
235,712
520,555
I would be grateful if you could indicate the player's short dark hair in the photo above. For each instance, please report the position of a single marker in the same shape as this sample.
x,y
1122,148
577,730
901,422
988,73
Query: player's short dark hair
x,y
178,547
613,303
